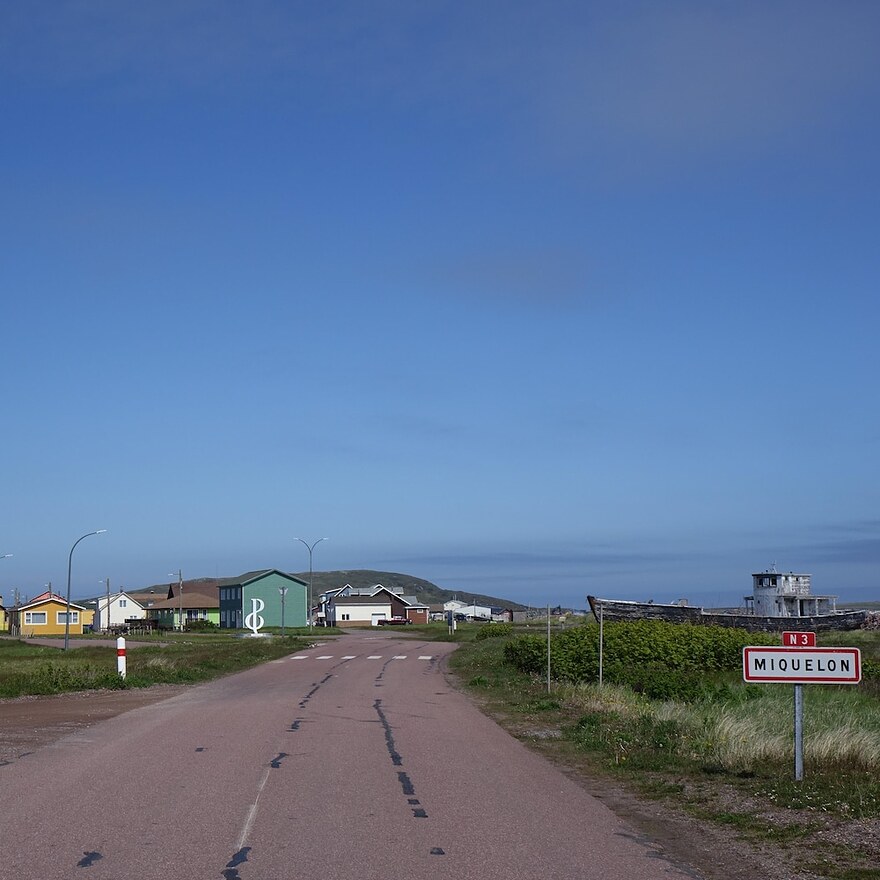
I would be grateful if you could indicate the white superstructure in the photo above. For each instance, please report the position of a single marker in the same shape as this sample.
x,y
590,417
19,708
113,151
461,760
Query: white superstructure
x,y
780,594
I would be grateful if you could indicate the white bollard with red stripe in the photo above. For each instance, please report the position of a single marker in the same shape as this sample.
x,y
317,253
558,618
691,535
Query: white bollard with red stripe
x,y
120,656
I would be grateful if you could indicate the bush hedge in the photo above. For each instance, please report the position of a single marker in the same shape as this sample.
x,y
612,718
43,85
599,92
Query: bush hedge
x,y
493,630
662,660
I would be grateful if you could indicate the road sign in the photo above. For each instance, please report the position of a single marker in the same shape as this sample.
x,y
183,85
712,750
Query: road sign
x,y
802,665
799,640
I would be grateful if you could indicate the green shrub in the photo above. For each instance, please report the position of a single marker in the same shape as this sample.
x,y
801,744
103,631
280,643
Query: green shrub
x,y
662,660
201,626
493,630
527,653
574,654
658,682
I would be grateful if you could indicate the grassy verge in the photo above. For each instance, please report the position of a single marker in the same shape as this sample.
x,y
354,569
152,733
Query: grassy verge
x,y
182,659
725,756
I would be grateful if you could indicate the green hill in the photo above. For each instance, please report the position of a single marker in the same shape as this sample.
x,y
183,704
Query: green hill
x,y
423,590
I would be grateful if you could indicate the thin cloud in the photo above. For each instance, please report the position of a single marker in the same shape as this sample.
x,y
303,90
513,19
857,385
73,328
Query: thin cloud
x,y
634,80
697,76
550,276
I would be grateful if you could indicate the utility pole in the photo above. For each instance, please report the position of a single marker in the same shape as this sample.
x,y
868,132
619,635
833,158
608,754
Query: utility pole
x,y
180,595
107,628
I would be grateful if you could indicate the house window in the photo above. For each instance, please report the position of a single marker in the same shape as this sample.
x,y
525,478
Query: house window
x,y
35,618
346,617
61,617
123,603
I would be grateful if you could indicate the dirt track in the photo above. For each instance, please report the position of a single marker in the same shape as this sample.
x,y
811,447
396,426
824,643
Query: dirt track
x,y
28,723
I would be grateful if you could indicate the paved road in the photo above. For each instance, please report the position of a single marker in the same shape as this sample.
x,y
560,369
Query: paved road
x,y
354,760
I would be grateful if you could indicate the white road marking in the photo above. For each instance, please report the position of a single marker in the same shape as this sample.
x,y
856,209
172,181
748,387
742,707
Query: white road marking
x,y
353,657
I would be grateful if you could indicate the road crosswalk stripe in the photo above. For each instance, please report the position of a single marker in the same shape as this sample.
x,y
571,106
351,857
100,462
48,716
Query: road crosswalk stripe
x,y
354,657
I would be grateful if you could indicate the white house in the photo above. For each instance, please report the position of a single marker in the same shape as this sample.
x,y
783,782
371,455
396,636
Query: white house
x,y
353,607
120,608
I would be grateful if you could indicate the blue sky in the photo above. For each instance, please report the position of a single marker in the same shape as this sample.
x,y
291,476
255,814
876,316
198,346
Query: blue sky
x,y
535,300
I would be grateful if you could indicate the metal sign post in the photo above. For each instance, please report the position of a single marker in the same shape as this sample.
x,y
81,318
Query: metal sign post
x,y
799,640
800,666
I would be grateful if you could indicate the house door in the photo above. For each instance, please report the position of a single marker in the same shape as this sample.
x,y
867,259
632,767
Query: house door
x,y
376,617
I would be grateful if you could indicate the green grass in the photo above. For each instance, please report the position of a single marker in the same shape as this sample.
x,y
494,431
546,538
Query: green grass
x,y
186,658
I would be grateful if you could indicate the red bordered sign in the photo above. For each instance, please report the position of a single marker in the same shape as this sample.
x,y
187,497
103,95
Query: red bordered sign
x,y
802,665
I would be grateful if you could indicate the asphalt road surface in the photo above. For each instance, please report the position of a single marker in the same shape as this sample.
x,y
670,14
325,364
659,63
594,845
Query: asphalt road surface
x,y
352,760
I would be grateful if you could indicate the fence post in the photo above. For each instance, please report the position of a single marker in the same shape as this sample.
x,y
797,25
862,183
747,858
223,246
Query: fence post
x,y
120,657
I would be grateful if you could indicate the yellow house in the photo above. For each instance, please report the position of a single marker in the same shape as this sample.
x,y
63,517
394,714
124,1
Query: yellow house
x,y
47,616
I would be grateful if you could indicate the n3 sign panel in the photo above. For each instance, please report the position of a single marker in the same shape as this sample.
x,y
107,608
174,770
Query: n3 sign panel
x,y
799,639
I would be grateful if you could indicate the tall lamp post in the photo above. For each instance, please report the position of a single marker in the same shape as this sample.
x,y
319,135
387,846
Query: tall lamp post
x,y
283,592
310,548
6,556
69,566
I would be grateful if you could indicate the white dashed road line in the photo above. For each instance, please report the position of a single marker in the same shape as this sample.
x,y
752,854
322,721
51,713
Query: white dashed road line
x,y
354,657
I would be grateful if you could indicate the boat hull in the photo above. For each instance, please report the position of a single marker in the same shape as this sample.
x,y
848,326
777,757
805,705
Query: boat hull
x,y
619,610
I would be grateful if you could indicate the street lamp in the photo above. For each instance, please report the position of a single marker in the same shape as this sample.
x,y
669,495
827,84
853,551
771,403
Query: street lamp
x,y
69,564
283,592
179,594
310,549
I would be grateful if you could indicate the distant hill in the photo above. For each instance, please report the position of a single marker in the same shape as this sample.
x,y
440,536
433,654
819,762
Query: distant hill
x,y
423,590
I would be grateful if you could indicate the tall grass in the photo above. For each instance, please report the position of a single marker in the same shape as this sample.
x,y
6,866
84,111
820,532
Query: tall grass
x,y
841,730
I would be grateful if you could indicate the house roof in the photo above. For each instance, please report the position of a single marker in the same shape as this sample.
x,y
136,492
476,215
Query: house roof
x,y
250,576
361,597
188,599
101,601
45,599
362,600
368,599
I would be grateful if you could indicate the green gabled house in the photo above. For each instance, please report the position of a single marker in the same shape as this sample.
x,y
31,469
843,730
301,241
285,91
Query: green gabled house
x,y
236,595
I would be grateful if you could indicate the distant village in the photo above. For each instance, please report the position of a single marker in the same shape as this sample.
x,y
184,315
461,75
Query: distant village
x,y
225,603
